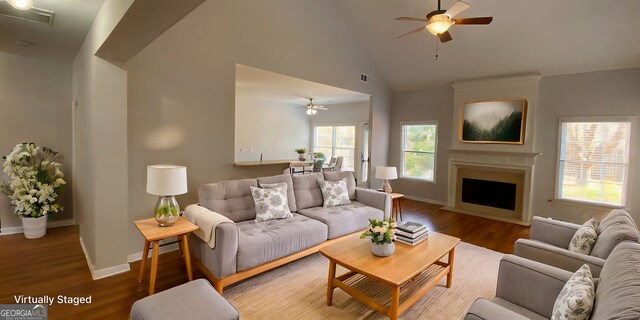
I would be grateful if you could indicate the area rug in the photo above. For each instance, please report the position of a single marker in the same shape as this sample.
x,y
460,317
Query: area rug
x,y
298,290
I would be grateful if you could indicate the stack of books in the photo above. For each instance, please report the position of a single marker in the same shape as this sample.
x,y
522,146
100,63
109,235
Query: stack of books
x,y
411,233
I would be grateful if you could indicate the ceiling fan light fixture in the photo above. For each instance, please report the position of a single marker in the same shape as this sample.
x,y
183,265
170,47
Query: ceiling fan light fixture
x,y
309,111
21,4
314,111
439,23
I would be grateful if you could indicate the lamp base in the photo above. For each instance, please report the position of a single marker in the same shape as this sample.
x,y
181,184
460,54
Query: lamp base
x,y
167,211
386,187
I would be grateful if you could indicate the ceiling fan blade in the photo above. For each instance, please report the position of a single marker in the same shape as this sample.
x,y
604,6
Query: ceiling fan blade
x,y
445,36
479,20
457,8
411,19
321,108
411,32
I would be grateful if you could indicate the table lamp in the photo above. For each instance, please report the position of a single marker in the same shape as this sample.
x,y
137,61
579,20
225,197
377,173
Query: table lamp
x,y
386,174
166,181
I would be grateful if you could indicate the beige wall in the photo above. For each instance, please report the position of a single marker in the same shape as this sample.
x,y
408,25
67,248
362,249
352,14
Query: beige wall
x,y
423,105
186,79
100,146
35,106
273,129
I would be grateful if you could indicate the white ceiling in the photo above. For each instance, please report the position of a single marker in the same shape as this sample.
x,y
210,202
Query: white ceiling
x,y
266,85
546,36
61,40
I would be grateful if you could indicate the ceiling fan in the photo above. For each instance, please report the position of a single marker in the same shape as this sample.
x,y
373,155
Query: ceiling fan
x,y
439,21
313,108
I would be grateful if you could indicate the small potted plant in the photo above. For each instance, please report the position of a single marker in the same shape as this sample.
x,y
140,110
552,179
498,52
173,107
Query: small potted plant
x,y
35,181
382,234
301,152
319,155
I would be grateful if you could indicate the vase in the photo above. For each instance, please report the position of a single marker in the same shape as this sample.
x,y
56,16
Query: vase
x,y
301,158
167,211
34,228
383,250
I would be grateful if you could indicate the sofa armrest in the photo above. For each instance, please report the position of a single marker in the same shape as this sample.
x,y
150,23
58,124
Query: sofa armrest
x,y
482,309
557,257
557,233
376,199
530,284
221,260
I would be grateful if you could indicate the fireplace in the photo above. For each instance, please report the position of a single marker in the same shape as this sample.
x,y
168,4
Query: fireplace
x,y
491,184
489,193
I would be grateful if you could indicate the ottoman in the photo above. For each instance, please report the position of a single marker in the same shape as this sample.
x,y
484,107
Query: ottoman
x,y
193,300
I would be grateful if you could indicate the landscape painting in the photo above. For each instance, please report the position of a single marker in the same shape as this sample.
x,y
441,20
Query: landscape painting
x,y
498,121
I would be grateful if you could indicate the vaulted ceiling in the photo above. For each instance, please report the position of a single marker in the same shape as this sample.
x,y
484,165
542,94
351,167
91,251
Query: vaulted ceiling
x,y
546,36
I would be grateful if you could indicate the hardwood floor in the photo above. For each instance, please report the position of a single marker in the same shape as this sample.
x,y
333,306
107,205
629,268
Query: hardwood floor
x,y
55,264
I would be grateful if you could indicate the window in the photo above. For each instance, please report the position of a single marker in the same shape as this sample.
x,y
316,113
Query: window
x,y
419,144
336,141
593,162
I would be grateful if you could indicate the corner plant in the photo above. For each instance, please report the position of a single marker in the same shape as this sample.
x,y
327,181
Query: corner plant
x,y
381,232
301,151
35,180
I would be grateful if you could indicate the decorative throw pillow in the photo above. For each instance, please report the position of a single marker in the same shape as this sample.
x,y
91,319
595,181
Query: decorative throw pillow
x,y
334,193
575,300
271,203
584,239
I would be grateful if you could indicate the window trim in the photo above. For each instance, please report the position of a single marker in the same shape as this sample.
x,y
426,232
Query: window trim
x,y
629,167
333,138
435,152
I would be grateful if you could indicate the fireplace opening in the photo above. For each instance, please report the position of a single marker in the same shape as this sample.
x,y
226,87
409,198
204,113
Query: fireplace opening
x,y
489,193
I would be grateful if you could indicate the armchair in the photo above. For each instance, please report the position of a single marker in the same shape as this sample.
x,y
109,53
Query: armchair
x,y
549,240
528,289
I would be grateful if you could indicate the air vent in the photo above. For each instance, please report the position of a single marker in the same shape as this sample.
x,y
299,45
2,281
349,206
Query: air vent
x,y
32,15
364,78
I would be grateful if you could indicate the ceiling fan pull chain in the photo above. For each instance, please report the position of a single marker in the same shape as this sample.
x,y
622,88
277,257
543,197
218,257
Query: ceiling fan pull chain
x,y
437,48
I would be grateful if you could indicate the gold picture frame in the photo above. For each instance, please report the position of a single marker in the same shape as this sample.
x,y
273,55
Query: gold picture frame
x,y
500,121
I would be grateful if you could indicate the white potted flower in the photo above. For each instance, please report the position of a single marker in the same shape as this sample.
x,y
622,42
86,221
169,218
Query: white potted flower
x,y
35,181
382,234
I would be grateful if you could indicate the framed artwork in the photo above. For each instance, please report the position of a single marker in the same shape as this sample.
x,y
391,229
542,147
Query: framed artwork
x,y
495,121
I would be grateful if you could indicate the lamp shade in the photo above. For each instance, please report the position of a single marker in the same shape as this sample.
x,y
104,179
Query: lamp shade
x,y
21,4
166,180
386,173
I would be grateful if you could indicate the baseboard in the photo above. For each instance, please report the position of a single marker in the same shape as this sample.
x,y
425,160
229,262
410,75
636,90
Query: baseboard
x,y
138,255
440,203
105,272
52,224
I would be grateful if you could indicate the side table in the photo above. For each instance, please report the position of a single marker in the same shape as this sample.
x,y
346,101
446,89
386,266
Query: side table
x,y
396,207
152,234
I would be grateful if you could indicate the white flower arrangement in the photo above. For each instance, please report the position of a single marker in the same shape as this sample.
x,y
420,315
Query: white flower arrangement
x,y
35,180
381,232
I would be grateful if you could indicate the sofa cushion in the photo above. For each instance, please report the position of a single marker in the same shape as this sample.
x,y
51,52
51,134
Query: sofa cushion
x,y
611,237
271,203
339,175
307,190
231,198
614,217
345,219
575,301
334,193
286,178
528,314
262,242
585,237
618,291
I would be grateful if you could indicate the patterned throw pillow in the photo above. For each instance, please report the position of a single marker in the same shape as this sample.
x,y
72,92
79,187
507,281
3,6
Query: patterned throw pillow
x,y
575,301
271,203
584,239
334,193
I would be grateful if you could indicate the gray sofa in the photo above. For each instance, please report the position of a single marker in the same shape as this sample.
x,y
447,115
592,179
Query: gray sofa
x,y
528,289
245,248
549,242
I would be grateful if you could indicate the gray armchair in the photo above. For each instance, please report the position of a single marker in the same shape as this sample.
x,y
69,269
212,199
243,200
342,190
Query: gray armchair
x,y
528,289
549,242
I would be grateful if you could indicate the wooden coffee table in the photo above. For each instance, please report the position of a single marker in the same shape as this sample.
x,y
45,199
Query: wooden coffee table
x,y
405,264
